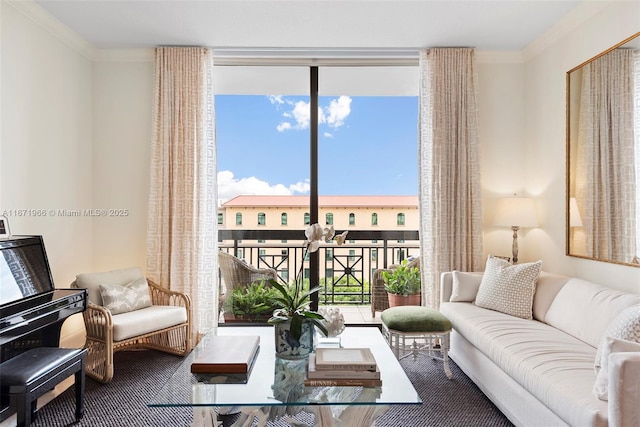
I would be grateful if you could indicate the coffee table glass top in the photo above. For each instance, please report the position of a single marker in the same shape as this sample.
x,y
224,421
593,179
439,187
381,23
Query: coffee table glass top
x,y
275,382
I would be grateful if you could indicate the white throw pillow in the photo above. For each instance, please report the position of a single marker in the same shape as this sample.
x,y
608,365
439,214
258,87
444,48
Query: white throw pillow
x,y
124,298
610,345
508,288
465,286
626,326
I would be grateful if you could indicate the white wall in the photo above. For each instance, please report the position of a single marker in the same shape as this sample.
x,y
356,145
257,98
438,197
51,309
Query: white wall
x,y
46,142
545,140
122,107
501,130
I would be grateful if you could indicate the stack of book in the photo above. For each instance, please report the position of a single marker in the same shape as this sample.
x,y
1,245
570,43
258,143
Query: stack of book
x,y
342,367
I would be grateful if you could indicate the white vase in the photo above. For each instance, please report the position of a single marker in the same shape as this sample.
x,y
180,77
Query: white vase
x,y
287,347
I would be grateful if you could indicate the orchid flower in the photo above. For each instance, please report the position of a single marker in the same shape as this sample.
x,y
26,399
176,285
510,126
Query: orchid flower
x,y
314,234
341,238
328,234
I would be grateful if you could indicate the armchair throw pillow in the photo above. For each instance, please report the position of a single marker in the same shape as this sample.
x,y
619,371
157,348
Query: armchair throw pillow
x,y
125,298
508,288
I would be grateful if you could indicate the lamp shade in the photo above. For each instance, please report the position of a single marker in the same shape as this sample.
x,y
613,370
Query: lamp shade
x,y
515,211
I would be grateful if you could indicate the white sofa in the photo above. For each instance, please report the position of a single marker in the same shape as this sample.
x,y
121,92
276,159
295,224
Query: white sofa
x,y
540,372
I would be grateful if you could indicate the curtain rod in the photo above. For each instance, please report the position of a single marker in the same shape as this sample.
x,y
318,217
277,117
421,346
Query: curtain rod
x,y
315,57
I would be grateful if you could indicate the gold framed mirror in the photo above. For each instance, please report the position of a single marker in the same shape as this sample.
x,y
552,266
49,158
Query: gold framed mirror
x,y
603,156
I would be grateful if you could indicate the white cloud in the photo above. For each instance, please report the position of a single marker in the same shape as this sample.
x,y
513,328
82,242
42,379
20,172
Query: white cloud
x,y
283,126
333,115
276,99
301,113
338,110
328,135
229,186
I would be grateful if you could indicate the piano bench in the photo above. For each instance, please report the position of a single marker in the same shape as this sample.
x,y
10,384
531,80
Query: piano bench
x,y
31,374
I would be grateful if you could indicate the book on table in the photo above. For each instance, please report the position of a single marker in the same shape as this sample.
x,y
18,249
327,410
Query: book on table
x,y
342,382
353,367
333,374
226,354
355,359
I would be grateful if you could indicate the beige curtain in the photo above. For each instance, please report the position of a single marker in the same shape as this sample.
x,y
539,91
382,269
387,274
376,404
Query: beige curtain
x,y
182,226
449,167
605,160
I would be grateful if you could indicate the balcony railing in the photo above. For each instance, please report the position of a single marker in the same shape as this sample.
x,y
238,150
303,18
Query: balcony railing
x,y
345,271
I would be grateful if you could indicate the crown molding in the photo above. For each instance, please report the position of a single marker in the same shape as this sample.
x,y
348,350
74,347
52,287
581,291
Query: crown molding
x,y
489,57
124,55
576,17
45,20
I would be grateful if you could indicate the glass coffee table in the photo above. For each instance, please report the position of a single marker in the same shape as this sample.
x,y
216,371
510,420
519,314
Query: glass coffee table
x,y
274,388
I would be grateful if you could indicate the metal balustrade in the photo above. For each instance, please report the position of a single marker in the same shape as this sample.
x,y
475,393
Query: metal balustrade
x,y
345,271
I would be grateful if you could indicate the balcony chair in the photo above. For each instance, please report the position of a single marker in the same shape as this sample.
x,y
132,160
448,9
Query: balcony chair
x,y
379,299
237,273
127,311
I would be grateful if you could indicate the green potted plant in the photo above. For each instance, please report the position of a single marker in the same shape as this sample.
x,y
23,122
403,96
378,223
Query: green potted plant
x,y
254,303
402,285
294,320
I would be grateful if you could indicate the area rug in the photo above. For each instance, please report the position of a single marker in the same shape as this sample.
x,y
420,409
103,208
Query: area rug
x,y
138,374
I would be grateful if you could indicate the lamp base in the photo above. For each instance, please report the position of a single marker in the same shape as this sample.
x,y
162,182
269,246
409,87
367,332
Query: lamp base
x,y
514,246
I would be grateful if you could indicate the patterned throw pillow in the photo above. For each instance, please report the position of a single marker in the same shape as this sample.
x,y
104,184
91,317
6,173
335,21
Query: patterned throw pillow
x,y
124,298
508,288
626,326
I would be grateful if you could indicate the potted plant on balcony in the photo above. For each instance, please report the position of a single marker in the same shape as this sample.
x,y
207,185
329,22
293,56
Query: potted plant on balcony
x,y
253,303
402,285
294,321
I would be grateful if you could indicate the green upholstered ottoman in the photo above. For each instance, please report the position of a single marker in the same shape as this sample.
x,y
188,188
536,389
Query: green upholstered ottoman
x,y
412,330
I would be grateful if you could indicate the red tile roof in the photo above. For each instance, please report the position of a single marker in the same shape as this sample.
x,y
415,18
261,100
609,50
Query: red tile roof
x,y
324,201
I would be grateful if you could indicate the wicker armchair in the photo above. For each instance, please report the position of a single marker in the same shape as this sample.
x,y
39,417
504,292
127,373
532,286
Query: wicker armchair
x,y
165,325
379,300
237,273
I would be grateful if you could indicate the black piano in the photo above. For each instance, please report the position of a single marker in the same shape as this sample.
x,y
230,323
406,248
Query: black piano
x,y
31,309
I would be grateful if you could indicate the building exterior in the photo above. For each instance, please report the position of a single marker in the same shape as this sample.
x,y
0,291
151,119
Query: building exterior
x,y
280,221
343,212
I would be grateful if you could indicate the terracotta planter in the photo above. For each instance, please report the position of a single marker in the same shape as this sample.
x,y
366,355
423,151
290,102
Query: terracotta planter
x,y
396,300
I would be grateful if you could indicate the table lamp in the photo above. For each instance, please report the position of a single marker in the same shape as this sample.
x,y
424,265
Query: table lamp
x,y
515,212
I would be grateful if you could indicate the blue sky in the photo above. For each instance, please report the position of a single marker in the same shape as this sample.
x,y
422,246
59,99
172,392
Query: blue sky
x,y
367,145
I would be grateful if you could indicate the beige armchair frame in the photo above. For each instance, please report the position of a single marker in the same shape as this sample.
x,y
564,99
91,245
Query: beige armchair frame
x,y
98,322
379,299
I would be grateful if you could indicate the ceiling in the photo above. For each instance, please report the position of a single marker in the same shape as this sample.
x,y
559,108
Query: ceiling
x,y
311,24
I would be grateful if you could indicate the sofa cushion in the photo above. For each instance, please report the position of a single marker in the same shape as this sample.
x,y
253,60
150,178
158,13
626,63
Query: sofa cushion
x,y
508,288
554,367
626,326
465,286
124,298
610,346
585,309
91,281
547,287
145,320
